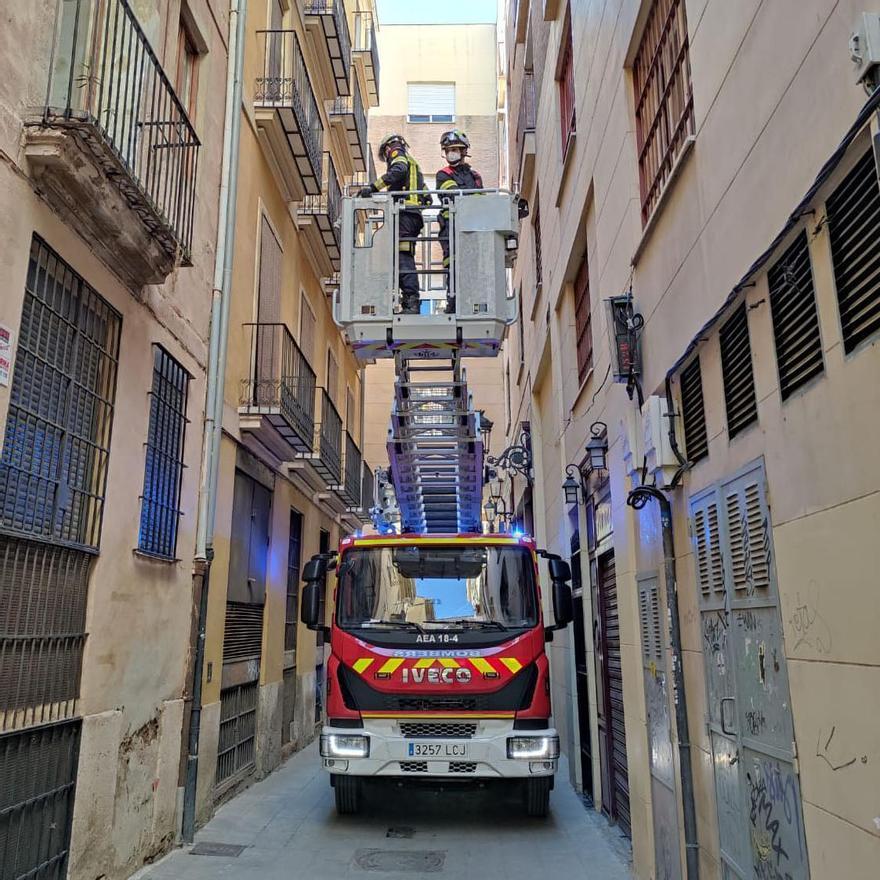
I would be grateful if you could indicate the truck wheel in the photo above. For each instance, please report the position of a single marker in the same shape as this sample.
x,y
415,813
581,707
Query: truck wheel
x,y
348,794
538,796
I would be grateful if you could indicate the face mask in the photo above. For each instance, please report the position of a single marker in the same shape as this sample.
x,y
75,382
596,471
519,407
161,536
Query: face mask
x,y
453,156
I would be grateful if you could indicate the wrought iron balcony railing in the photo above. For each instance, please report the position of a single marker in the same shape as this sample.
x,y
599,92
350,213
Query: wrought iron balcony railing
x,y
368,493
351,487
325,209
285,86
280,384
337,39
365,43
351,110
107,82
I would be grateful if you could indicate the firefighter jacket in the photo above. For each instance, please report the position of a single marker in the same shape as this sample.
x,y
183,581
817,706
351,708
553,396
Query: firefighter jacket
x,y
461,176
403,176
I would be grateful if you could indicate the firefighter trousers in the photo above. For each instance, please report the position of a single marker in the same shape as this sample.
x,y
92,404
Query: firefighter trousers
x,y
410,226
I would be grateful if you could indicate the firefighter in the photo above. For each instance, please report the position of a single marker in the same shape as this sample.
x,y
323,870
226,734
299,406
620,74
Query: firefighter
x,y
457,174
405,177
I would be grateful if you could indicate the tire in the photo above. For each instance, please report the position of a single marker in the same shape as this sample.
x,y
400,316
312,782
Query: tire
x,y
538,796
348,794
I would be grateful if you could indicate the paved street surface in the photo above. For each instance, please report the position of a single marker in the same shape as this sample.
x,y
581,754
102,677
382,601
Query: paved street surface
x,y
289,828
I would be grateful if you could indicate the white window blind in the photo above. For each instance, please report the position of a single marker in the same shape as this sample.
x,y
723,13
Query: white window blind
x,y
431,102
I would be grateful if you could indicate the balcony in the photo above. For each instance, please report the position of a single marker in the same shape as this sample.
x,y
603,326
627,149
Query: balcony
x,y
352,486
321,465
328,27
363,178
277,406
317,217
349,114
286,112
366,54
367,495
113,150
525,132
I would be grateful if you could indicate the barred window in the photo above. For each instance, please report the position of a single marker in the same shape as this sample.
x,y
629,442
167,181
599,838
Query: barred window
x,y
664,98
583,320
53,471
163,471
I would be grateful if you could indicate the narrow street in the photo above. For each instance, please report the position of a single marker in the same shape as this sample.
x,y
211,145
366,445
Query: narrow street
x,y
288,828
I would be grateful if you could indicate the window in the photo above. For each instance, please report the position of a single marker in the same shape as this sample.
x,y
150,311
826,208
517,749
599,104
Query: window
x,y
795,319
187,85
53,470
431,102
565,82
583,320
853,218
693,411
507,413
236,749
163,471
664,98
521,332
332,375
536,231
736,370
294,559
306,328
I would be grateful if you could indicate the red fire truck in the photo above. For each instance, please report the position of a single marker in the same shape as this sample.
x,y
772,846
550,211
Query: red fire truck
x,y
437,667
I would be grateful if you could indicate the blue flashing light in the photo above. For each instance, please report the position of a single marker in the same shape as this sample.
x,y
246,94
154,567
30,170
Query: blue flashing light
x,y
518,533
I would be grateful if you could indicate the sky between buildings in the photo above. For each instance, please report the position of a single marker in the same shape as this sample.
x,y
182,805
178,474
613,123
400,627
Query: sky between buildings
x,y
436,11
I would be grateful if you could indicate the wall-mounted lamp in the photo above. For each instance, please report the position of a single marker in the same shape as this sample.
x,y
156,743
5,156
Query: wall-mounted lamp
x,y
597,447
573,482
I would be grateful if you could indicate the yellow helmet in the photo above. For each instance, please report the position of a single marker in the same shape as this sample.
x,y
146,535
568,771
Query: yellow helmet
x,y
387,141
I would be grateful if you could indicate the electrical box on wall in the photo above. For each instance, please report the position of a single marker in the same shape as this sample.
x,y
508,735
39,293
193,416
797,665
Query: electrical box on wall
x,y
659,456
631,432
864,46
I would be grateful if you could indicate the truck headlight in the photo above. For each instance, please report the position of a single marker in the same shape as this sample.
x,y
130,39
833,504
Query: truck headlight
x,y
344,745
533,748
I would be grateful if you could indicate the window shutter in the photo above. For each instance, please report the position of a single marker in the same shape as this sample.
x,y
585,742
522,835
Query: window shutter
x,y
431,99
707,548
649,619
583,320
693,411
306,328
853,220
736,370
269,309
747,527
795,319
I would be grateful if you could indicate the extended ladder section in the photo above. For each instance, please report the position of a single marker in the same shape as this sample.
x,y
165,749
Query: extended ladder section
x,y
434,483
435,449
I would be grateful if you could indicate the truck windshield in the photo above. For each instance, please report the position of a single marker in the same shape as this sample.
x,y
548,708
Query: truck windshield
x,y
437,588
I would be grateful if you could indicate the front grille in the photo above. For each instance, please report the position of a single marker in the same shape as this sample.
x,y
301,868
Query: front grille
x,y
462,767
438,729
414,766
736,371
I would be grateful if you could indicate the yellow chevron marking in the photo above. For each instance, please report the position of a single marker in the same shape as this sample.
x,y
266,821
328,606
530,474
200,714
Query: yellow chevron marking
x,y
449,663
361,665
512,664
424,663
390,665
481,664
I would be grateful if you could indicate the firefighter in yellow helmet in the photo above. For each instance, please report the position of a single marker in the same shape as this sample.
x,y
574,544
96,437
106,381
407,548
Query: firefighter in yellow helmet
x,y
405,177
457,174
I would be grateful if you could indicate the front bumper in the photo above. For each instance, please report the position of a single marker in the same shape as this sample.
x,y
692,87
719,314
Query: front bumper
x,y
481,756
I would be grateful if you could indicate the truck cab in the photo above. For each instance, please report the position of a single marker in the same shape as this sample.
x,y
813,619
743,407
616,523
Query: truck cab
x,y
437,667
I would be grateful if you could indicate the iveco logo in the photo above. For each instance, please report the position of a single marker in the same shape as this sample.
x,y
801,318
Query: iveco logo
x,y
436,676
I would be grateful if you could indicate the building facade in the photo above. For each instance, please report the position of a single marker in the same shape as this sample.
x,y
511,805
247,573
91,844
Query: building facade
x,y
701,256
110,164
435,78
292,480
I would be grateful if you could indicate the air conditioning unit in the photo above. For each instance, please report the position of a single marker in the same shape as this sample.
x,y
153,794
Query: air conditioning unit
x,y
864,46
661,460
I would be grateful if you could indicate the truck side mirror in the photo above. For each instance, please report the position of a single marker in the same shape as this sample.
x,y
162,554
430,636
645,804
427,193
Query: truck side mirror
x,y
563,605
314,575
559,569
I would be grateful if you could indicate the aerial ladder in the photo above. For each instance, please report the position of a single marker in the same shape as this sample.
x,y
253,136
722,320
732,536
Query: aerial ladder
x,y
434,481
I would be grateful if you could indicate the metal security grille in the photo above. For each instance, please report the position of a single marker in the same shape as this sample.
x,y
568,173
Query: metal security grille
x,y
853,218
43,592
38,769
694,412
163,471
795,318
238,725
736,371
243,636
664,97
53,471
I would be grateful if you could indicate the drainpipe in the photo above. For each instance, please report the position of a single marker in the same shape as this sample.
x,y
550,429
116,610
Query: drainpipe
x,y
637,499
214,394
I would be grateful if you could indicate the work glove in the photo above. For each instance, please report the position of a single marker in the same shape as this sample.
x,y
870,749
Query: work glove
x,y
365,192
